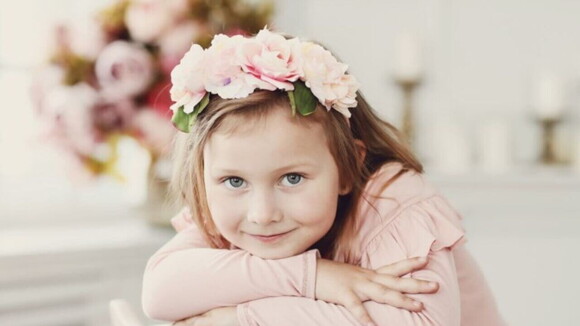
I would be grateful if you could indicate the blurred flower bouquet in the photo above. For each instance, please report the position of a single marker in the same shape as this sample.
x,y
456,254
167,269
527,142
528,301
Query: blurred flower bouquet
x,y
108,77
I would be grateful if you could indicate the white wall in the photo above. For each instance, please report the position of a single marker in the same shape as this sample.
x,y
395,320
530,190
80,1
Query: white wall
x,y
479,56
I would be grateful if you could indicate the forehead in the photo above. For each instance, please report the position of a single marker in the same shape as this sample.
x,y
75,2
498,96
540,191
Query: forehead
x,y
274,139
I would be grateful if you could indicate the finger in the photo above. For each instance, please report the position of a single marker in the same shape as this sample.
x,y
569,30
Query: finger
x,y
382,294
405,285
403,267
355,306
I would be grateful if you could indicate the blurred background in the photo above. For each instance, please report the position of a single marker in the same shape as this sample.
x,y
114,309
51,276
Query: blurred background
x,y
487,92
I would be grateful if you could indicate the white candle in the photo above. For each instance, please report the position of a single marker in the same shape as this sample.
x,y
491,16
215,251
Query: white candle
x,y
494,147
408,60
450,145
548,96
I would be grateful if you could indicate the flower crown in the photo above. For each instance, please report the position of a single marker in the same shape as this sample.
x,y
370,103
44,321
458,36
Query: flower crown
x,y
234,67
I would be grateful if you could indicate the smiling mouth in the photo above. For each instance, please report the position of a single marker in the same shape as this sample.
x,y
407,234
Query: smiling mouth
x,y
270,238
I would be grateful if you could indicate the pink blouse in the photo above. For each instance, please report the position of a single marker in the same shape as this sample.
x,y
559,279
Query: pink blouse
x,y
407,219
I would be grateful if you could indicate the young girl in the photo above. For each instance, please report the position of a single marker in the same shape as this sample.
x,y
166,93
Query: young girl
x,y
303,207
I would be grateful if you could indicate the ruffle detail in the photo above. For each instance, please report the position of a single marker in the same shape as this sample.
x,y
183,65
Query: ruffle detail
x,y
429,225
182,220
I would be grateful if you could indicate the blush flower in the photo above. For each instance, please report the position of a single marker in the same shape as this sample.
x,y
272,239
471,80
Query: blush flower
x,y
327,78
187,78
271,58
223,75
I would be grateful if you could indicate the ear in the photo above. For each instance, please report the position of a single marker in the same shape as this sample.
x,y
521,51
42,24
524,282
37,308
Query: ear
x,y
361,149
362,152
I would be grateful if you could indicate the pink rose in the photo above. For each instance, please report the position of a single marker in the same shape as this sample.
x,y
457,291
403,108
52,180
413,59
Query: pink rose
x,y
271,58
124,70
187,78
146,20
327,79
223,74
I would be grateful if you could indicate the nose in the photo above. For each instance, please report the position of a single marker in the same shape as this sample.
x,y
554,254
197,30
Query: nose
x,y
262,208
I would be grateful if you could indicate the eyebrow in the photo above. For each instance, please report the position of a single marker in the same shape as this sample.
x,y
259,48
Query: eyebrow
x,y
293,166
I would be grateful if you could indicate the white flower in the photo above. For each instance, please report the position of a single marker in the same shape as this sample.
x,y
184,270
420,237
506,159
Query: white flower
x,y
87,38
146,20
327,78
187,78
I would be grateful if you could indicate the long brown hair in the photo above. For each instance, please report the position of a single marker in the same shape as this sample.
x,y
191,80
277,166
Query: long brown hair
x,y
382,141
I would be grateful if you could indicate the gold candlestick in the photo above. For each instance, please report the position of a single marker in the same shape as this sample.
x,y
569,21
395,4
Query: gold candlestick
x,y
408,87
548,155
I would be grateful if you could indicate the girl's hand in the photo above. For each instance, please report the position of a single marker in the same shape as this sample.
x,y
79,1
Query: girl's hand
x,y
223,316
350,285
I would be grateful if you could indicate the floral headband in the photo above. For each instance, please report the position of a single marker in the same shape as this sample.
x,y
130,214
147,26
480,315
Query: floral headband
x,y
233,67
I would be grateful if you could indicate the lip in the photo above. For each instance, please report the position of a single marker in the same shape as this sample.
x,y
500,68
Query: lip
x,y
270,238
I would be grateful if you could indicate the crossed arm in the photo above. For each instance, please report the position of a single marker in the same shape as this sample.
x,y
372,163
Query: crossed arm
x,y
187,278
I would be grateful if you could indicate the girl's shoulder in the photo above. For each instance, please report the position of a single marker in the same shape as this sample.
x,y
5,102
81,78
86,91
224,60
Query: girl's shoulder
x,y
401,203
182,220
400,184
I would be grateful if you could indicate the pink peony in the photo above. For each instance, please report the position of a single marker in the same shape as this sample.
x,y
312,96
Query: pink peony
x,y
124,70
187,78
271,58
327,79
223,75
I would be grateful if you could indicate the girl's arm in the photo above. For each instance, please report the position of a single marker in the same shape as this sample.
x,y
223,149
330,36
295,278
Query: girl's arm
x,y
424,229
440,308
186,277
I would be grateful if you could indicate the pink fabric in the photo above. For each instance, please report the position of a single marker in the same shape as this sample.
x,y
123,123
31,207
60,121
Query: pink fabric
x,y
407,219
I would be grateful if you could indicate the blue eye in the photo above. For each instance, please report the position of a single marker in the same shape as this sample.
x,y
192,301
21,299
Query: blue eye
x,y
292,179
234,182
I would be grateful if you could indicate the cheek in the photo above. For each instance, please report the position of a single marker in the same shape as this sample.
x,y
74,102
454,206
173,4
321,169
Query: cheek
x,y
225,217
318,205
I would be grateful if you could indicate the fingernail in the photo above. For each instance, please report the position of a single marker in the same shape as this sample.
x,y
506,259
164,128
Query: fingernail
x,y
432,285
417,304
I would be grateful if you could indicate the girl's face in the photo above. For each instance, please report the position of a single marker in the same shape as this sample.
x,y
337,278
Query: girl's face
x,y
272,189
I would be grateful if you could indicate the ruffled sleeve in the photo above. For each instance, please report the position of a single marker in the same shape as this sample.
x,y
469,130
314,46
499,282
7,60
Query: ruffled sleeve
x,y
182,220
426,226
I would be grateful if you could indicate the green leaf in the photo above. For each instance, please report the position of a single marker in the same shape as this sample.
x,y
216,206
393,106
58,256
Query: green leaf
x,y
304,99
292,102
182,120
202,104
